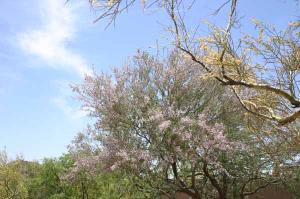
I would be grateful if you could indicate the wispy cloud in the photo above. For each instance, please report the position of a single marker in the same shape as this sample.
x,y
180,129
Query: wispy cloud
x,y
49,42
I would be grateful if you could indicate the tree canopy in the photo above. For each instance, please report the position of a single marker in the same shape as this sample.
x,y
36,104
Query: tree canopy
x,y
176,130
262,71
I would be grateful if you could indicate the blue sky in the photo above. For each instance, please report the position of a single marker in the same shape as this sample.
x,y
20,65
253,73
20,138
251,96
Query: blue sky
x,y
45,45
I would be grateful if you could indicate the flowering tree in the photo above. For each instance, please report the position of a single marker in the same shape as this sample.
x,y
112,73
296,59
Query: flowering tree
x,y
172,129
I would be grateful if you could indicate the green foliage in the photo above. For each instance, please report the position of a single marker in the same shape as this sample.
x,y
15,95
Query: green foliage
x,y
21,179
12,182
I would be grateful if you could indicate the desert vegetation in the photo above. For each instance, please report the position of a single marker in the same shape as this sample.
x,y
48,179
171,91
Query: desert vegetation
x,y
216,115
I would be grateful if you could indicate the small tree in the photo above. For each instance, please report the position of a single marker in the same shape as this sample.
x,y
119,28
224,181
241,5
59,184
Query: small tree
x,y
12,182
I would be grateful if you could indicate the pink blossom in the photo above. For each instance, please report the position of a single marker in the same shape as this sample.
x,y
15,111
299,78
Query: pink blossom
x,y
186,135
164,125
156,116
187,120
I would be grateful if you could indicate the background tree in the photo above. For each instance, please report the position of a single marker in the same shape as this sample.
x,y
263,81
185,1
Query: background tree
x,y
12,183
20,179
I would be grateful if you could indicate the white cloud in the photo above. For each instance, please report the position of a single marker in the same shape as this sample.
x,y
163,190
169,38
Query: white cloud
x,y
49,42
